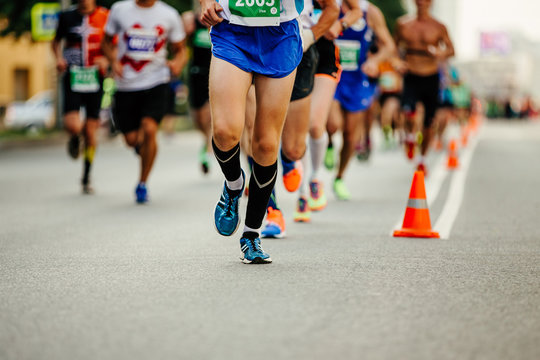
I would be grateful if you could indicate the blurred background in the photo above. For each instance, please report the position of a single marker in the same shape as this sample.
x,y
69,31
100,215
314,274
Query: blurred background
x,y
497,46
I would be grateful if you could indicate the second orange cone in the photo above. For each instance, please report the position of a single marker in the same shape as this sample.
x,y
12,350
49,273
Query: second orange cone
x,y
453,161
416,222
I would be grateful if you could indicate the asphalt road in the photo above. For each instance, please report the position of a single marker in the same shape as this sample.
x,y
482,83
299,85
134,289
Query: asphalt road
x,y
98,277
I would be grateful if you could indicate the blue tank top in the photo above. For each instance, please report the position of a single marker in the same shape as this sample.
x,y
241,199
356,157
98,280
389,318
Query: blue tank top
x,y
354,44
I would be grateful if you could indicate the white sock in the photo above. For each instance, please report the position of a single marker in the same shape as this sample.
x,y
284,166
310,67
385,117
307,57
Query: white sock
x,y
248,229
236,184
421,159
317,147
302,190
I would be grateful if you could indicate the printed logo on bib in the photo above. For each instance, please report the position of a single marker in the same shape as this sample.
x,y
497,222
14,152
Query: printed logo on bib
x,y
202,39
255,12
142,45
84,79
349,52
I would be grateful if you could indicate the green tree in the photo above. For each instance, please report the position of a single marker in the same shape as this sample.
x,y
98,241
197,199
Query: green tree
x,y
18,12
392,9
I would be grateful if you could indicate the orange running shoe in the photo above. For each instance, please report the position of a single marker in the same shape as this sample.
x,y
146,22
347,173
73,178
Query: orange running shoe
x,y
293,178
275,224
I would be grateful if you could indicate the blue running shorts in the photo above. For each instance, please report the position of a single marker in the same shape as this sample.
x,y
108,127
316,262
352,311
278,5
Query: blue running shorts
x,y
355,95
272,51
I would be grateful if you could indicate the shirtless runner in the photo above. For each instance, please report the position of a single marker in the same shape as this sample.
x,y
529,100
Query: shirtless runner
x,y
425,44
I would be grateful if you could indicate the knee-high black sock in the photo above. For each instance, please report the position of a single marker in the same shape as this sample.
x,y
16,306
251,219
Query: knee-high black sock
x,y
229,161
261,183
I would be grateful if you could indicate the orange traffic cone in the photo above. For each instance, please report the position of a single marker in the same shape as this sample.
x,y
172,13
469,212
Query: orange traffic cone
x,y
416,222
453,161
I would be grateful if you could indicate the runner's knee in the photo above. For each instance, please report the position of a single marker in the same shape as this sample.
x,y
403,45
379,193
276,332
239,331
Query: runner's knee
x,y
265,146
150,127
131,138
294,150
224,136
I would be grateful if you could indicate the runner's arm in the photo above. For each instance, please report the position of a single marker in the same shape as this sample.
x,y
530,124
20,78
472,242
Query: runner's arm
x,y
351,16
56,45
188,18
386,45
330,13
448,50
179,60
109,50
398,38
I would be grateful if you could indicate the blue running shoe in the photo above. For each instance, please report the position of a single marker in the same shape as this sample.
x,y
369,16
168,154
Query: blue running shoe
x,y
226,217
141,194
253,252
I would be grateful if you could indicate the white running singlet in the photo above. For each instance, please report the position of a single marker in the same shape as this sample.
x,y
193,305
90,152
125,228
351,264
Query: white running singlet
x,y
143,34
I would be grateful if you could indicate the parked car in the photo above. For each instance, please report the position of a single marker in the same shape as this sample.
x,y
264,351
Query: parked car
x,y
37,112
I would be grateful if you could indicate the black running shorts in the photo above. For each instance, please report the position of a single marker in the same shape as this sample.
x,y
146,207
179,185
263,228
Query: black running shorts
x,y
198,86
73,101
424,89
305,74
131,107
386,96
328,59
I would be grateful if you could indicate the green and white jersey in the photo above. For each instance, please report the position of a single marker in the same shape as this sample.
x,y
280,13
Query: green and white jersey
x,y
260,12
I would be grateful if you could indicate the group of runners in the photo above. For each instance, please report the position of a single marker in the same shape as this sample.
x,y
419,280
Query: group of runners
x,y
275,78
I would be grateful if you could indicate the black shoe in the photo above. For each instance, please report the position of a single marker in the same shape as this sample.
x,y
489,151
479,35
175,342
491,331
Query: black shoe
x,y
74,146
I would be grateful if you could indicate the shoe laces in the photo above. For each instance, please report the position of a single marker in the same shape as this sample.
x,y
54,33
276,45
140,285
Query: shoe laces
x,y
230,203
255,245
302,204
314,187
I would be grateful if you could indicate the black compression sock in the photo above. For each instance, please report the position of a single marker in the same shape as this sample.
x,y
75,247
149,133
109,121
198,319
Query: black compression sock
x,y
261,183
229,161
250,235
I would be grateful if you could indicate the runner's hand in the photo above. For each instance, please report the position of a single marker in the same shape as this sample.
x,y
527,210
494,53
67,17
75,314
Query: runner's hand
x,y
175,67
117,68
209,12
61,65
308,39
102,64
399,65
437,52
334,31
371,68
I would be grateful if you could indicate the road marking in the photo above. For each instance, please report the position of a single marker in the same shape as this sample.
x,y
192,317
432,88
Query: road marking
x,y
455,194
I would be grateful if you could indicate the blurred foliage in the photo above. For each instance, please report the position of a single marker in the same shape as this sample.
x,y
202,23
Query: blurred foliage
x,y
392,9
18,12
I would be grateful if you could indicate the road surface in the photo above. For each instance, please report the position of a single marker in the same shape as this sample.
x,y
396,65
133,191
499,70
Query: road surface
x,y
98,277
